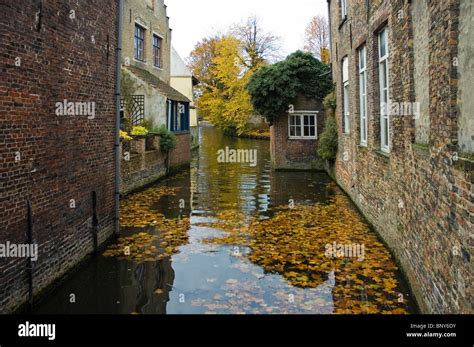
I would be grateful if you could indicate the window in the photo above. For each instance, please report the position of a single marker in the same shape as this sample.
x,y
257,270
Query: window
x,y
343,9
345,94
363,95
302,126
384,94
139,43
157,50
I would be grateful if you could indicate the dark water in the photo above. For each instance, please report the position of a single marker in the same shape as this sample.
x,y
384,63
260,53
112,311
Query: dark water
x,y
206,278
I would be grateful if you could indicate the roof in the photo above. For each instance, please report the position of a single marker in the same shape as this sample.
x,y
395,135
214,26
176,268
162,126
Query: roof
x,y
157,83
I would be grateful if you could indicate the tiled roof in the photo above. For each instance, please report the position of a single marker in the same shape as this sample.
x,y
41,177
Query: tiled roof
x,y
163,87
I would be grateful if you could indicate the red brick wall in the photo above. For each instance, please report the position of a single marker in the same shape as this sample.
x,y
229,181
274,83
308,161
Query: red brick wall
x,y
296,154
420,201
62,157
181,154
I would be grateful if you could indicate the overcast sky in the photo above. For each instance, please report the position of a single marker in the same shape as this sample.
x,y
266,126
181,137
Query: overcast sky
x,y
191,20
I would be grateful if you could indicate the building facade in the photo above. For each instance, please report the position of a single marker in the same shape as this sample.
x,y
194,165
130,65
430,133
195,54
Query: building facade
x,y
294,136
402,72
182,79
57,131
146,57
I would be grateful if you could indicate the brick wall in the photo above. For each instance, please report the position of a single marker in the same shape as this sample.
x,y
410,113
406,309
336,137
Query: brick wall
x,y
181,154
418,197
66,52
141,164
295,154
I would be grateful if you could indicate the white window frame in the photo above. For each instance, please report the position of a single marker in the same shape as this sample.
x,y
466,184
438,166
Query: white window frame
x,y
363,95
302,114
346,94
343,9
384,92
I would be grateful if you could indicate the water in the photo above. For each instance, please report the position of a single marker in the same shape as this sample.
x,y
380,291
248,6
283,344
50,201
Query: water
x,y
203,277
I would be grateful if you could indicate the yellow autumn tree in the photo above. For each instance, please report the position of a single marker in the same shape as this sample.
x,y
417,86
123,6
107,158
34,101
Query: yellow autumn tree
x,y
224,99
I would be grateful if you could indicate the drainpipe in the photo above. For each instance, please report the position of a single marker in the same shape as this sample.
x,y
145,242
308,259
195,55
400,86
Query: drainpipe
x,y
118,62
330,33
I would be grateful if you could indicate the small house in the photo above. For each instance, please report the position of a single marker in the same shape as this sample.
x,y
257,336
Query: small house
x,y
294,136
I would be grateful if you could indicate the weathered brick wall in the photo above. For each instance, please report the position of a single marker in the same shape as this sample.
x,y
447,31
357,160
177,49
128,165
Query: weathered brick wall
x,y
51,51
295,154
141,165
181,154
419,199
151,15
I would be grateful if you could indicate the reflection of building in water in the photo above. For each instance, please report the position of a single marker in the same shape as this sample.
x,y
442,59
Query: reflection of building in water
x,y
154,283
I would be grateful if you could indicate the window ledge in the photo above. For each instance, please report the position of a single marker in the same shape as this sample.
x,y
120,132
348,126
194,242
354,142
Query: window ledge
x,y
302,138
382,154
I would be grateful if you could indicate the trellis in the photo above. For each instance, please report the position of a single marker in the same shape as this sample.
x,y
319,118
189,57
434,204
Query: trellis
x,y
136,111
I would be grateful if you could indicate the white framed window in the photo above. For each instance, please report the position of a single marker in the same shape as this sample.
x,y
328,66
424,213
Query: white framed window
x,y
344,8
363,95
345,94
384,91
303,125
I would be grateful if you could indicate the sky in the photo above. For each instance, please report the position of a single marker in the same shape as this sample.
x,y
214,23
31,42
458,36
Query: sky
x,y
192,20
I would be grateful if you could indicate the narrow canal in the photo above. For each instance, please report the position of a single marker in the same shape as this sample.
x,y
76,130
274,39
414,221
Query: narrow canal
x,y
237,238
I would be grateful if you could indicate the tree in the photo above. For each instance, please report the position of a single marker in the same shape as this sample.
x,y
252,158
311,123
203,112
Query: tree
x,y
225,101
273,88
317,36
201,61
259,47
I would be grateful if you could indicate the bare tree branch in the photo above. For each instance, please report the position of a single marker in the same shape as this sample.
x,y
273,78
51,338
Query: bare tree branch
x,y
317,36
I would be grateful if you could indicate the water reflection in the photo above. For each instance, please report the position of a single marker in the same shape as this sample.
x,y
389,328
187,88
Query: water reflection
x,y
212,278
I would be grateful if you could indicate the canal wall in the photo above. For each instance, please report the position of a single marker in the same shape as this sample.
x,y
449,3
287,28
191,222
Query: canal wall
x,y
56,168
143,162
419,195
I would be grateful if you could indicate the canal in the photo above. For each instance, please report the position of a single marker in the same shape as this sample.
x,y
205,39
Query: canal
x,y
233,237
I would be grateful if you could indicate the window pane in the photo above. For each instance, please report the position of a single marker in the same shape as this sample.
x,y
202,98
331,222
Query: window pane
x,y
312,131
362,58
306,131
298,131
383,43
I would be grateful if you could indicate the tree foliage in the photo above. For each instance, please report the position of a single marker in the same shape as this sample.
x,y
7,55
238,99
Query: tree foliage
x,y
224,100
273,88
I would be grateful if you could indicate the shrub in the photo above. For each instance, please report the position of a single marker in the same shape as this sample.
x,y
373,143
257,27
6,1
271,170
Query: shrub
x,y
273,88
328,141
168,139
329,102
139,130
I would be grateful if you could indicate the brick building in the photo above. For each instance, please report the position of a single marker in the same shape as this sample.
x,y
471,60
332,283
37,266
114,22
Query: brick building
x,y
403,73
294,136
59,161
146,57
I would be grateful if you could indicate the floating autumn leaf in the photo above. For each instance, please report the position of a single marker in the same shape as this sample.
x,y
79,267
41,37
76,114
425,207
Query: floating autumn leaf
x,y
293,243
